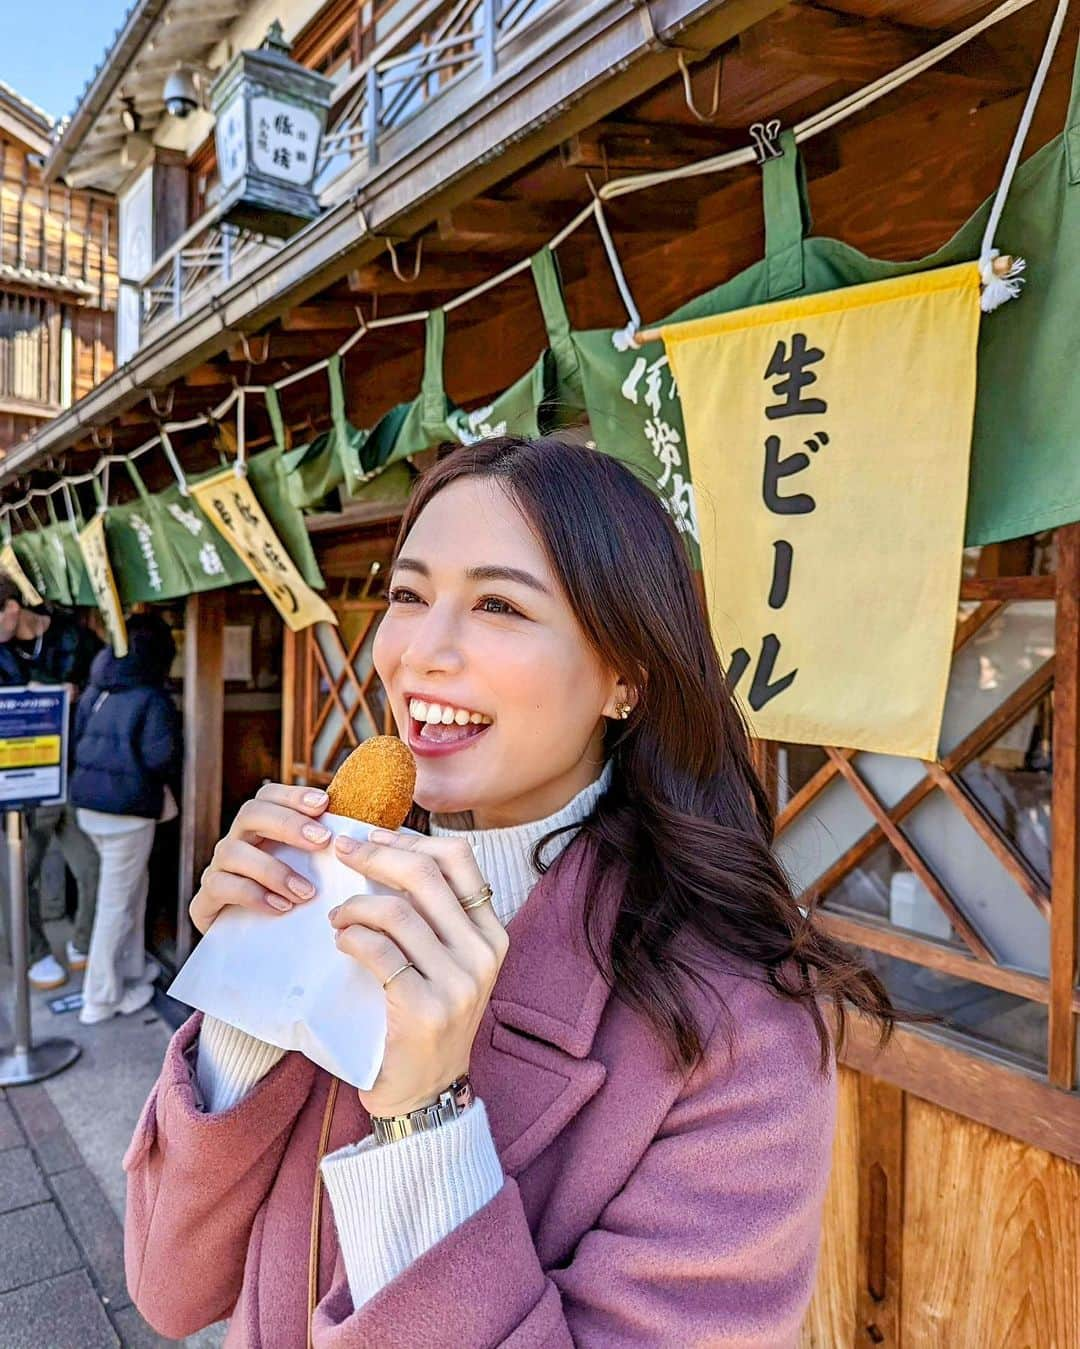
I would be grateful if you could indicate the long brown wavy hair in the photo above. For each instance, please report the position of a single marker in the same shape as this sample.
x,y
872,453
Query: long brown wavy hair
x,y
686,826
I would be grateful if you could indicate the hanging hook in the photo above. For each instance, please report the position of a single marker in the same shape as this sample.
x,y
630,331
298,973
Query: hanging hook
x,y
161,414
245,347
99,441
766,138
396,265
688,88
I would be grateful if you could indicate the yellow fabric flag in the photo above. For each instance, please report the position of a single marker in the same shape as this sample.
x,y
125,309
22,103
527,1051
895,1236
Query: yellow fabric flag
x,y
230,504
95,553
829,439
10,563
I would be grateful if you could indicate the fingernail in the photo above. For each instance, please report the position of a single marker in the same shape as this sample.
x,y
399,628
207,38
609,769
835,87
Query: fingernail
x,y
334,910
276,902
346,844
301,888
315,833
314,798
382,836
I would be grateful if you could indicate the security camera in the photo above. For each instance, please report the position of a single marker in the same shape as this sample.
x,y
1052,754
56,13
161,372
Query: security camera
x,y
181,94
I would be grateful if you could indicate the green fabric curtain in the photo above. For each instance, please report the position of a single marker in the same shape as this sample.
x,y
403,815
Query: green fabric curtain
x,y
267,476
1025,465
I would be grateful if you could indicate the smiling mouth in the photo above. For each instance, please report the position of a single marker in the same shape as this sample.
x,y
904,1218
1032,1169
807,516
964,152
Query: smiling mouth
x,y
444,724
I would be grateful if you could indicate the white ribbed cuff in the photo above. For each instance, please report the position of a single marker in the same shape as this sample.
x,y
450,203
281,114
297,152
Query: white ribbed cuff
x,y
394,1202
230,1063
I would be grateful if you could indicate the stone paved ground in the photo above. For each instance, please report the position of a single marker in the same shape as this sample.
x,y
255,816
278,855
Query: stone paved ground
x,y
62,1188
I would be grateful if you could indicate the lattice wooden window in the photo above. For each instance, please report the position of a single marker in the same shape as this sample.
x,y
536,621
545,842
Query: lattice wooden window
x,y
944,872
338,700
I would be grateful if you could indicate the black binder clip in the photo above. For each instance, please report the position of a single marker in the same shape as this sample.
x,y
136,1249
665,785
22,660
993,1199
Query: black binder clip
x,y
766,138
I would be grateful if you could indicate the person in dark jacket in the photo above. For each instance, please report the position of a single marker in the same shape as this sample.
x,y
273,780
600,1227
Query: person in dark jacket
x,y
128,752
45,645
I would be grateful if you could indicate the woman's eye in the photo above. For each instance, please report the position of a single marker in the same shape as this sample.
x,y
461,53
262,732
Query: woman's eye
x,y
491,604
399,595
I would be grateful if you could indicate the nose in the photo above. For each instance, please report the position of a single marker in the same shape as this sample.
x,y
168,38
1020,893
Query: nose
x,y
434,644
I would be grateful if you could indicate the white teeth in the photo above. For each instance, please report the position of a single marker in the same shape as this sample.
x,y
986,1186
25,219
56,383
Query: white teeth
x,y
436,714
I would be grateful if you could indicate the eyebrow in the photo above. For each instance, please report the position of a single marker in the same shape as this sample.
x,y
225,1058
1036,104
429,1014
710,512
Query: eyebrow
x,y
484,573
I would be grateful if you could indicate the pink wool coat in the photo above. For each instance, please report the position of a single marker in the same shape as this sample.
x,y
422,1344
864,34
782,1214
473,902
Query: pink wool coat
x,y
642,1205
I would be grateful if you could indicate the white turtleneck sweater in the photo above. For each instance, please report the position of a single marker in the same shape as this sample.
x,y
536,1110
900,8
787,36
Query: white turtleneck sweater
x,y
393,1203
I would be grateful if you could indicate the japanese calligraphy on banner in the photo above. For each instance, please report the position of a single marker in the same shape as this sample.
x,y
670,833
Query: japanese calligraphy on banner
x,y
95,553
9,563
829,440
232,507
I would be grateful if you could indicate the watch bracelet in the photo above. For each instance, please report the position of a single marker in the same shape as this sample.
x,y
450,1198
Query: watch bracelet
x,y
451,1104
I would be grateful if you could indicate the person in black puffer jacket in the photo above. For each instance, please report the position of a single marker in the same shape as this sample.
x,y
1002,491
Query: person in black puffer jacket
x,y
128,752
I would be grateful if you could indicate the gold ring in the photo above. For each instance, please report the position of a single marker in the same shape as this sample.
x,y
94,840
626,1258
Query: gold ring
x,y
482,896
407,966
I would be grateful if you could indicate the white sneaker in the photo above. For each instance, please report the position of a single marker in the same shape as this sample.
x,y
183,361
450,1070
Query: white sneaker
x,y
90,1013
135,998
46,973
76,959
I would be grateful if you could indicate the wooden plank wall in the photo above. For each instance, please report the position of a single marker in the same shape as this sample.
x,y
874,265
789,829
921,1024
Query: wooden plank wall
x,y
982,1244
54,229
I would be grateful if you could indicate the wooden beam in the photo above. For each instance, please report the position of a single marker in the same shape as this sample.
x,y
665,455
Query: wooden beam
x,y
877,935
881,1210
974,1085
529,224
642,147
204,713
327,315
800,38
1065,852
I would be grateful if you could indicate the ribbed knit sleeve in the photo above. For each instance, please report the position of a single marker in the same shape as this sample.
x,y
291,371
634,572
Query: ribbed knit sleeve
x,y
230,1063
395,1201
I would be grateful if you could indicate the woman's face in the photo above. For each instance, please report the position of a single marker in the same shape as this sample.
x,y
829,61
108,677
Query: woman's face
x,y
492,682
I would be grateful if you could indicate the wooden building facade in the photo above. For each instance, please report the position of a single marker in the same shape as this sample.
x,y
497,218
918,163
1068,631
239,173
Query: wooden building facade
x,y
952,1217
58,279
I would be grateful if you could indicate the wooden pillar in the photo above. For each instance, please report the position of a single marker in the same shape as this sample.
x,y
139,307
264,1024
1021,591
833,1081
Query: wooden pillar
x,y
290,701
1065,850
204,711
881,1212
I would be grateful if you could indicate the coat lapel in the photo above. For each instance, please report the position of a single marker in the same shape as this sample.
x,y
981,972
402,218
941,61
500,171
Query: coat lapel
x,y
531,1061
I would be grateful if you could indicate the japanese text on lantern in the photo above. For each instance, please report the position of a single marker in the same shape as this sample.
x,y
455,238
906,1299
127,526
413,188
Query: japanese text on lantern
x,y
230,504
790,368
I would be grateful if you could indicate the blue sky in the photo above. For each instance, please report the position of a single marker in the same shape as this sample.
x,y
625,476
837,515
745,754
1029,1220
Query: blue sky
x,y
48,49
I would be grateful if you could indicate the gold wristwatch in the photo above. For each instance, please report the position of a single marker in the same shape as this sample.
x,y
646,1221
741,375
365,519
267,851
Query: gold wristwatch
x,y
452,1102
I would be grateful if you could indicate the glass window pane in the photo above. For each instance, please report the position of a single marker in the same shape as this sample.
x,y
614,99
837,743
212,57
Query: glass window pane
x,y
968,1013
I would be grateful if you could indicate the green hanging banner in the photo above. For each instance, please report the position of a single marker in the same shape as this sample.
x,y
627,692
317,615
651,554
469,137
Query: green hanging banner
x,y
312,472
65,545
144,560
1025,458
38,560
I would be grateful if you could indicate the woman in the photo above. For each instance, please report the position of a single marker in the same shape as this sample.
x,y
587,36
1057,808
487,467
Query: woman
x,y
128,751
644,1025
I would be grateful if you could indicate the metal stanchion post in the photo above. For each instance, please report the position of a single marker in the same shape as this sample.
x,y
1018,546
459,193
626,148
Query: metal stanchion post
x,y
25,1062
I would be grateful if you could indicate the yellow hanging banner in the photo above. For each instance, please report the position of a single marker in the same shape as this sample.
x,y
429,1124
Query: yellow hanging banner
x,y
10,564
231,506
829,439
99,570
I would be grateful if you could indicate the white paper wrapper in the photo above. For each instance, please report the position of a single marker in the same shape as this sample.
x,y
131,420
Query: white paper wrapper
x,y
283,980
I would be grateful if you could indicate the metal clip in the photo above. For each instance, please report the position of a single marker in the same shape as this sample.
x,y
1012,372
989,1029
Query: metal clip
x,y
766,138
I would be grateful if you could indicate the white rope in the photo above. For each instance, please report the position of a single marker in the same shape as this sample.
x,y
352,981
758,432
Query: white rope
x,y
174,464
622,339
240,467
998,289
812,126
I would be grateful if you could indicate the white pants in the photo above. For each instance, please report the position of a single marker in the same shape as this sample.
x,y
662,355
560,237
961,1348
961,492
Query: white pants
x,y
117,957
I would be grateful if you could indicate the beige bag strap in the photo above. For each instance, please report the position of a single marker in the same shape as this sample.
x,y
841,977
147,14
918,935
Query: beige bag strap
x,y
316,1209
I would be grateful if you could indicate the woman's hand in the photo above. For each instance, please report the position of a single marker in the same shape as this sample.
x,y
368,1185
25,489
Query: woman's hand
x,y
240,872
432,1011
